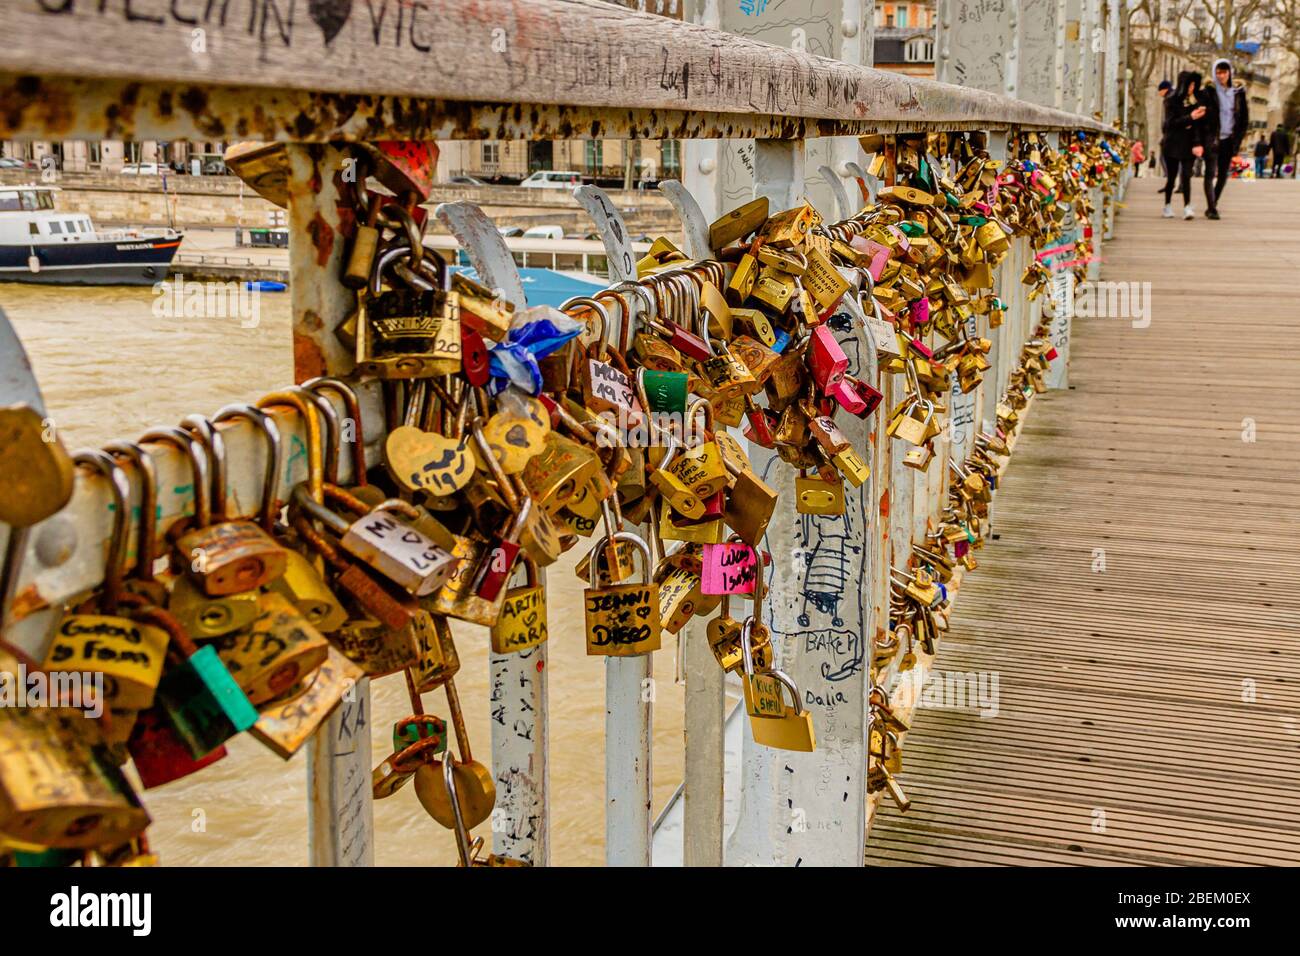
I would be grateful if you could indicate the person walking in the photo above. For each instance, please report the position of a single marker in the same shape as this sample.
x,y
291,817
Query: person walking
x,y
1224,127
1181,131
1280,143
1163,91
1139,156
1261,155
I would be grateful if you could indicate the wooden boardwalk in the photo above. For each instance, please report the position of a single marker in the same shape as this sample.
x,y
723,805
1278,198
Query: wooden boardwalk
x,y
1149,713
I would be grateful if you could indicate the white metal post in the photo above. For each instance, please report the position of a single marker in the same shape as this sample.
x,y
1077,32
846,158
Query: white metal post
x,y
340,815
629,681
809,808
520,730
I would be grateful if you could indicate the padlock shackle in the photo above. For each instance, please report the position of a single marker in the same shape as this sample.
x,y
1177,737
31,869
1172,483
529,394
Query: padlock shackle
x,y
215,447
120,490
315,471
185,442
606,540
594,305
352,404
270,508
316,510
146,550
462,832
332,430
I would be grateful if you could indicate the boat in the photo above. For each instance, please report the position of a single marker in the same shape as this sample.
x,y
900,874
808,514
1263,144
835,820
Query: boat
x,y
38,243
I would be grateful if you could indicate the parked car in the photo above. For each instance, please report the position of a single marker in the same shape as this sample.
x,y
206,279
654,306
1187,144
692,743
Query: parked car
x,y
9,162
553,179
141,169
466,181
544,232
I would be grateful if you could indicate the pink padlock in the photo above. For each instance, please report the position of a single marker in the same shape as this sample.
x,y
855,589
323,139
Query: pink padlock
x,y
855,397
1051,354
920,311
922,348
729,568
826,358
879,253
903,242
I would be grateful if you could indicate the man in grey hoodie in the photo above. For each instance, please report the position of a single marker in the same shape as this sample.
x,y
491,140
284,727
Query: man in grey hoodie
x,y
1223,128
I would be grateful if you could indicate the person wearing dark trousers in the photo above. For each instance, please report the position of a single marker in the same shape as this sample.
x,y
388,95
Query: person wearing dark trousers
x,y
1163,91
1261,156
1280,143
1222,130
1183,116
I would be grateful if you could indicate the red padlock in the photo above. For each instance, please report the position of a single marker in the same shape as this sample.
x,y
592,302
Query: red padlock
x,y
856,397
474,357
761,429
159,754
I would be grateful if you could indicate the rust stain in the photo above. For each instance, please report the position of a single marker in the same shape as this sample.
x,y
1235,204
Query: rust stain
x,y
27,602
884,503
308,359
322,238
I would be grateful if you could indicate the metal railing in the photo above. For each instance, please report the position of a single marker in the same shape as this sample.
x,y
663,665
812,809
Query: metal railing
x,y
569,69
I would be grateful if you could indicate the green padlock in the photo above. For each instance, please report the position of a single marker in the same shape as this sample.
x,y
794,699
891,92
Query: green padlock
x,y
663,391
199,696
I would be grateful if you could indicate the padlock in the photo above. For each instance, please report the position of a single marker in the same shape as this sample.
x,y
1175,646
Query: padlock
x,y
277,650
522,622
58,786
225,556
128,652
816,496
199,696
35,470
285,724
623,619
159,754
470,781
383,541
386,602
408,331
738,223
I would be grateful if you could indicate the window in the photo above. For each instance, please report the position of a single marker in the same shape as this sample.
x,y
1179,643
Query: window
x,y
29,200
490,157
45,200
902,17
56,228
9,202
70,226
671,153
918,50
594,156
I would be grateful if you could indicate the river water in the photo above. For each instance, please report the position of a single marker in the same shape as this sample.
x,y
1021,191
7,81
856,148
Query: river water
x,y
109,368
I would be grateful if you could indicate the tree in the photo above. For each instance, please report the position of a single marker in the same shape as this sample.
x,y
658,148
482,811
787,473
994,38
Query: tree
x,y
1148,22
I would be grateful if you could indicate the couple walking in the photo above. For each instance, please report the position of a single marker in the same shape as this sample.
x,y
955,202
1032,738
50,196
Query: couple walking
x,y
1206,123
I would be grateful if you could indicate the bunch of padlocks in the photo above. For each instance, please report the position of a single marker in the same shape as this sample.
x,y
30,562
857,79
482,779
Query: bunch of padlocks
x,y
513,435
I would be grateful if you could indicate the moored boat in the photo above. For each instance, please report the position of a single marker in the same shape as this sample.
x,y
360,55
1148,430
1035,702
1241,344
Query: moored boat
x,y
38,243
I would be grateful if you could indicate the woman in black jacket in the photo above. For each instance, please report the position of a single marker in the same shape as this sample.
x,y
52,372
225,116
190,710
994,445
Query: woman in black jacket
x,y
1181,131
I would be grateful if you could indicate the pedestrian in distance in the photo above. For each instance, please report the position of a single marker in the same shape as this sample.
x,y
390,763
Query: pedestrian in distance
x,y
1280,143
1163,91
1183,116
1138,155
1261,156
1221,131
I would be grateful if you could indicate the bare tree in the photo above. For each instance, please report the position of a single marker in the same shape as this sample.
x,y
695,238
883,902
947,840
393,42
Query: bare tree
x,y
1147,21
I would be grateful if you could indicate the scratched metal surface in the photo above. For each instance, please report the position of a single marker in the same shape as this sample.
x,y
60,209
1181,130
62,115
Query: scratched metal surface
x,y
339,74
1147,712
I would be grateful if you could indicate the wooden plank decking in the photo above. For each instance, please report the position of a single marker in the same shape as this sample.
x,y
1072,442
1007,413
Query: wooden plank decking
x,y
1148,713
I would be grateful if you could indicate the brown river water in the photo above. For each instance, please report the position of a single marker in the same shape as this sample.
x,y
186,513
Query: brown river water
x,y
109,368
